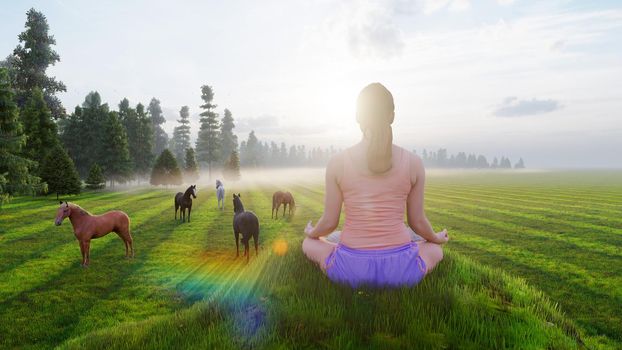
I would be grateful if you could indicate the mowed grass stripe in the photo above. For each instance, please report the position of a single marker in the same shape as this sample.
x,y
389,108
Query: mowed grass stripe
x,y
572,297
542,226
43,205
109,272
522,193
38,271
564,191
595,263
546,212
538,202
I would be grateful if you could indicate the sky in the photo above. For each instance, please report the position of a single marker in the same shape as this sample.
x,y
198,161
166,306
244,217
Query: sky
x,y
541,80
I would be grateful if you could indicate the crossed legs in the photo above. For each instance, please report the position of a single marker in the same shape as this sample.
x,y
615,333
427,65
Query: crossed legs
x,y
317,250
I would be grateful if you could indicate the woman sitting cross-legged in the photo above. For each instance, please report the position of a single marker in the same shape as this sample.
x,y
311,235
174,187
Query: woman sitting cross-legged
x,y
378,182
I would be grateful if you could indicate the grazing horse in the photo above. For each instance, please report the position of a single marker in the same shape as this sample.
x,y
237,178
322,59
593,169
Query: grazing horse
x,y
220,194
285,198
183,201
87,227
246,223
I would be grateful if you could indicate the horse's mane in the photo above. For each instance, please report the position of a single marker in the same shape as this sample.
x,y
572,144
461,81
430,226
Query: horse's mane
x,y
187,192
75,206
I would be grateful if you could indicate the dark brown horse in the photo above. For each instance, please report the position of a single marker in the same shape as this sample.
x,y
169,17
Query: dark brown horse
x,y
183,201
246,223
87,227
285,198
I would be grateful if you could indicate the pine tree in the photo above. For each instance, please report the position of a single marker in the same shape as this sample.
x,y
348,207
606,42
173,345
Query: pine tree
x,y
232,167
14,169
181,135
96,179
115,157
138,129
30,60
59,172
520,164
165,171
228,140
207,145
191,171
82,132
142,144
40,129
160,138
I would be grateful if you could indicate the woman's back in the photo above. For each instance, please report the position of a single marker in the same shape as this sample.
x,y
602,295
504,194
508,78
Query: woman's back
x,y
375,204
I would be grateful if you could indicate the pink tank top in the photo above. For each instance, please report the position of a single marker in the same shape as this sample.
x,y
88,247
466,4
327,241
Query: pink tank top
x,y
375,205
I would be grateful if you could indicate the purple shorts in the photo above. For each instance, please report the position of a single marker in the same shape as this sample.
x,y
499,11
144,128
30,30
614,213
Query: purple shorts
x,y
393,267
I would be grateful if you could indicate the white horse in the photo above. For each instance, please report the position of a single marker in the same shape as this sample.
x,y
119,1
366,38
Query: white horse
x,y
220,194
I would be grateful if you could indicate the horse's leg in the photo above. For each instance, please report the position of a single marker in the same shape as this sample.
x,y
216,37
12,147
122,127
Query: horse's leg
x,y
183,212
87,248
189,210
237,244
272,216
127,248
82,252
284,207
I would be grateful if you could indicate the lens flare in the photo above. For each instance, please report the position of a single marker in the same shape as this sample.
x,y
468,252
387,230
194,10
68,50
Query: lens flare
x,y
279,247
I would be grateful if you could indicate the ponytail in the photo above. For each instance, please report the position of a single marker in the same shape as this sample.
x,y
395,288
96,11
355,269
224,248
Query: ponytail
x,y
375,114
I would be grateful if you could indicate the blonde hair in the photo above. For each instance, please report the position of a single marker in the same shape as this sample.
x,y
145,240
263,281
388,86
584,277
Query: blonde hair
x,y
375,112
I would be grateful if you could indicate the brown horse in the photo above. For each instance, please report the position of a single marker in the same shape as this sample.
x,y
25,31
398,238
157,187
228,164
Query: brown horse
x,y
87,227
285,198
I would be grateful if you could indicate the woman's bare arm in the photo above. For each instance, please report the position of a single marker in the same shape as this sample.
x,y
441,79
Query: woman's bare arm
x,y
417,219
332,201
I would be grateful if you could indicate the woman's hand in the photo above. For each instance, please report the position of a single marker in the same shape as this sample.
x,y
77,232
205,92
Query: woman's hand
x,y
309,229
442,237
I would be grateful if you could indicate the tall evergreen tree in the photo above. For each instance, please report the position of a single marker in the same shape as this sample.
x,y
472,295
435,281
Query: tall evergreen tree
x,y
139,135
40,129
207,145
59,172
115,157
160,138
520,164
165,171
30,60
228,140
82,134
14,169
252,149
142,143
96,179
191,170
181,135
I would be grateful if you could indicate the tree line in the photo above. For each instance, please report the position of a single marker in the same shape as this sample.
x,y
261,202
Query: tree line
x,y
440,159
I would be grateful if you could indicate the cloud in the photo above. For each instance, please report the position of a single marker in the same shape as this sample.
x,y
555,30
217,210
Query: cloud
x,y
375,33
505,2
263,122
513,107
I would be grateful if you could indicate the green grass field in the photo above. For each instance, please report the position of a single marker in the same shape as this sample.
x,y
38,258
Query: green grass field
x,y
534,263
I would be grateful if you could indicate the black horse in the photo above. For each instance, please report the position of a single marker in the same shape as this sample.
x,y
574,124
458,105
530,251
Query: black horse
x,y
183,201
246,223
